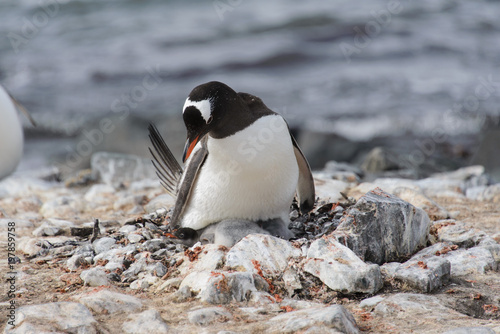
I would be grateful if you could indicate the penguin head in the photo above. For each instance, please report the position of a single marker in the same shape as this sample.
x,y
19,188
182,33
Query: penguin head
x,y
206,112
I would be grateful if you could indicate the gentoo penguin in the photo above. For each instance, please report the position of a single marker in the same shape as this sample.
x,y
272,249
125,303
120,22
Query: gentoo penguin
x,y
11,134
242,167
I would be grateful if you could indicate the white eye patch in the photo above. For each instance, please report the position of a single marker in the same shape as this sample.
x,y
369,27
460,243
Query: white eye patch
x,y
204,106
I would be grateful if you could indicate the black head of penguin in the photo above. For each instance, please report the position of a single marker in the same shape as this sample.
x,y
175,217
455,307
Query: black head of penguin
x,y
216,109
187,236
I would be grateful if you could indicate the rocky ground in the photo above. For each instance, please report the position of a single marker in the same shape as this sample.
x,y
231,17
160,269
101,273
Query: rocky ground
x,y
93,255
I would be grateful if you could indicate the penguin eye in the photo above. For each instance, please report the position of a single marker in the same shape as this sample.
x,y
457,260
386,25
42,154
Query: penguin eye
x,y
210,119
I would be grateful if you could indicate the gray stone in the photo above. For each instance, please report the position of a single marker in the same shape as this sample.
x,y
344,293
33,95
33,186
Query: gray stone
x,y
206,316
340,269
335,317
67,317
75,262
270,252
382,228
135,268
110,302
463,261
147,322
493,246
457,233
118,170
418,305
471,330
153,245
94,277
424,275
104,244
159,269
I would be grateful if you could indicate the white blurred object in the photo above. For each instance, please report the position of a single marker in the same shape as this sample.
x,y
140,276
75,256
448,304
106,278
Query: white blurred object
x,y
11,135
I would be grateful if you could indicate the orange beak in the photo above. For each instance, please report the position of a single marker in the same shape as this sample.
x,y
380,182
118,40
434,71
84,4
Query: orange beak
x,y
189,148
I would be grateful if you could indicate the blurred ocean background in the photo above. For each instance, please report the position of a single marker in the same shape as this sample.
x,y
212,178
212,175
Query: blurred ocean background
x,y
420,78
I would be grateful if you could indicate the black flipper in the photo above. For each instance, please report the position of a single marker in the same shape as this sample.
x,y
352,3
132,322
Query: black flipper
x,y
194,164
305,187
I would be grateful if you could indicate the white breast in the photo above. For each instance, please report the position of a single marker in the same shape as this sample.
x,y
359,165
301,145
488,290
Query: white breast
x,y
250,175
11,135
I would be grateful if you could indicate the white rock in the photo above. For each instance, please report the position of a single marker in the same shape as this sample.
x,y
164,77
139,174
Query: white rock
x,y
210,258
340,269
94,277
335,317
119,170
147,322
100,193
329,190
471,330
371,302
270,252
30,246
484,193
159,202
220,287
425,275
144,282
438,187
291,280
472,260
23,186
52,227
418,199
387,184
168,284
206,316
63,207
53,317
110,302
126,229
134,238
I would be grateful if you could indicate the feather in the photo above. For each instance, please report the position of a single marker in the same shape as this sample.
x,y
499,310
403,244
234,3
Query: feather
x,y
167,168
